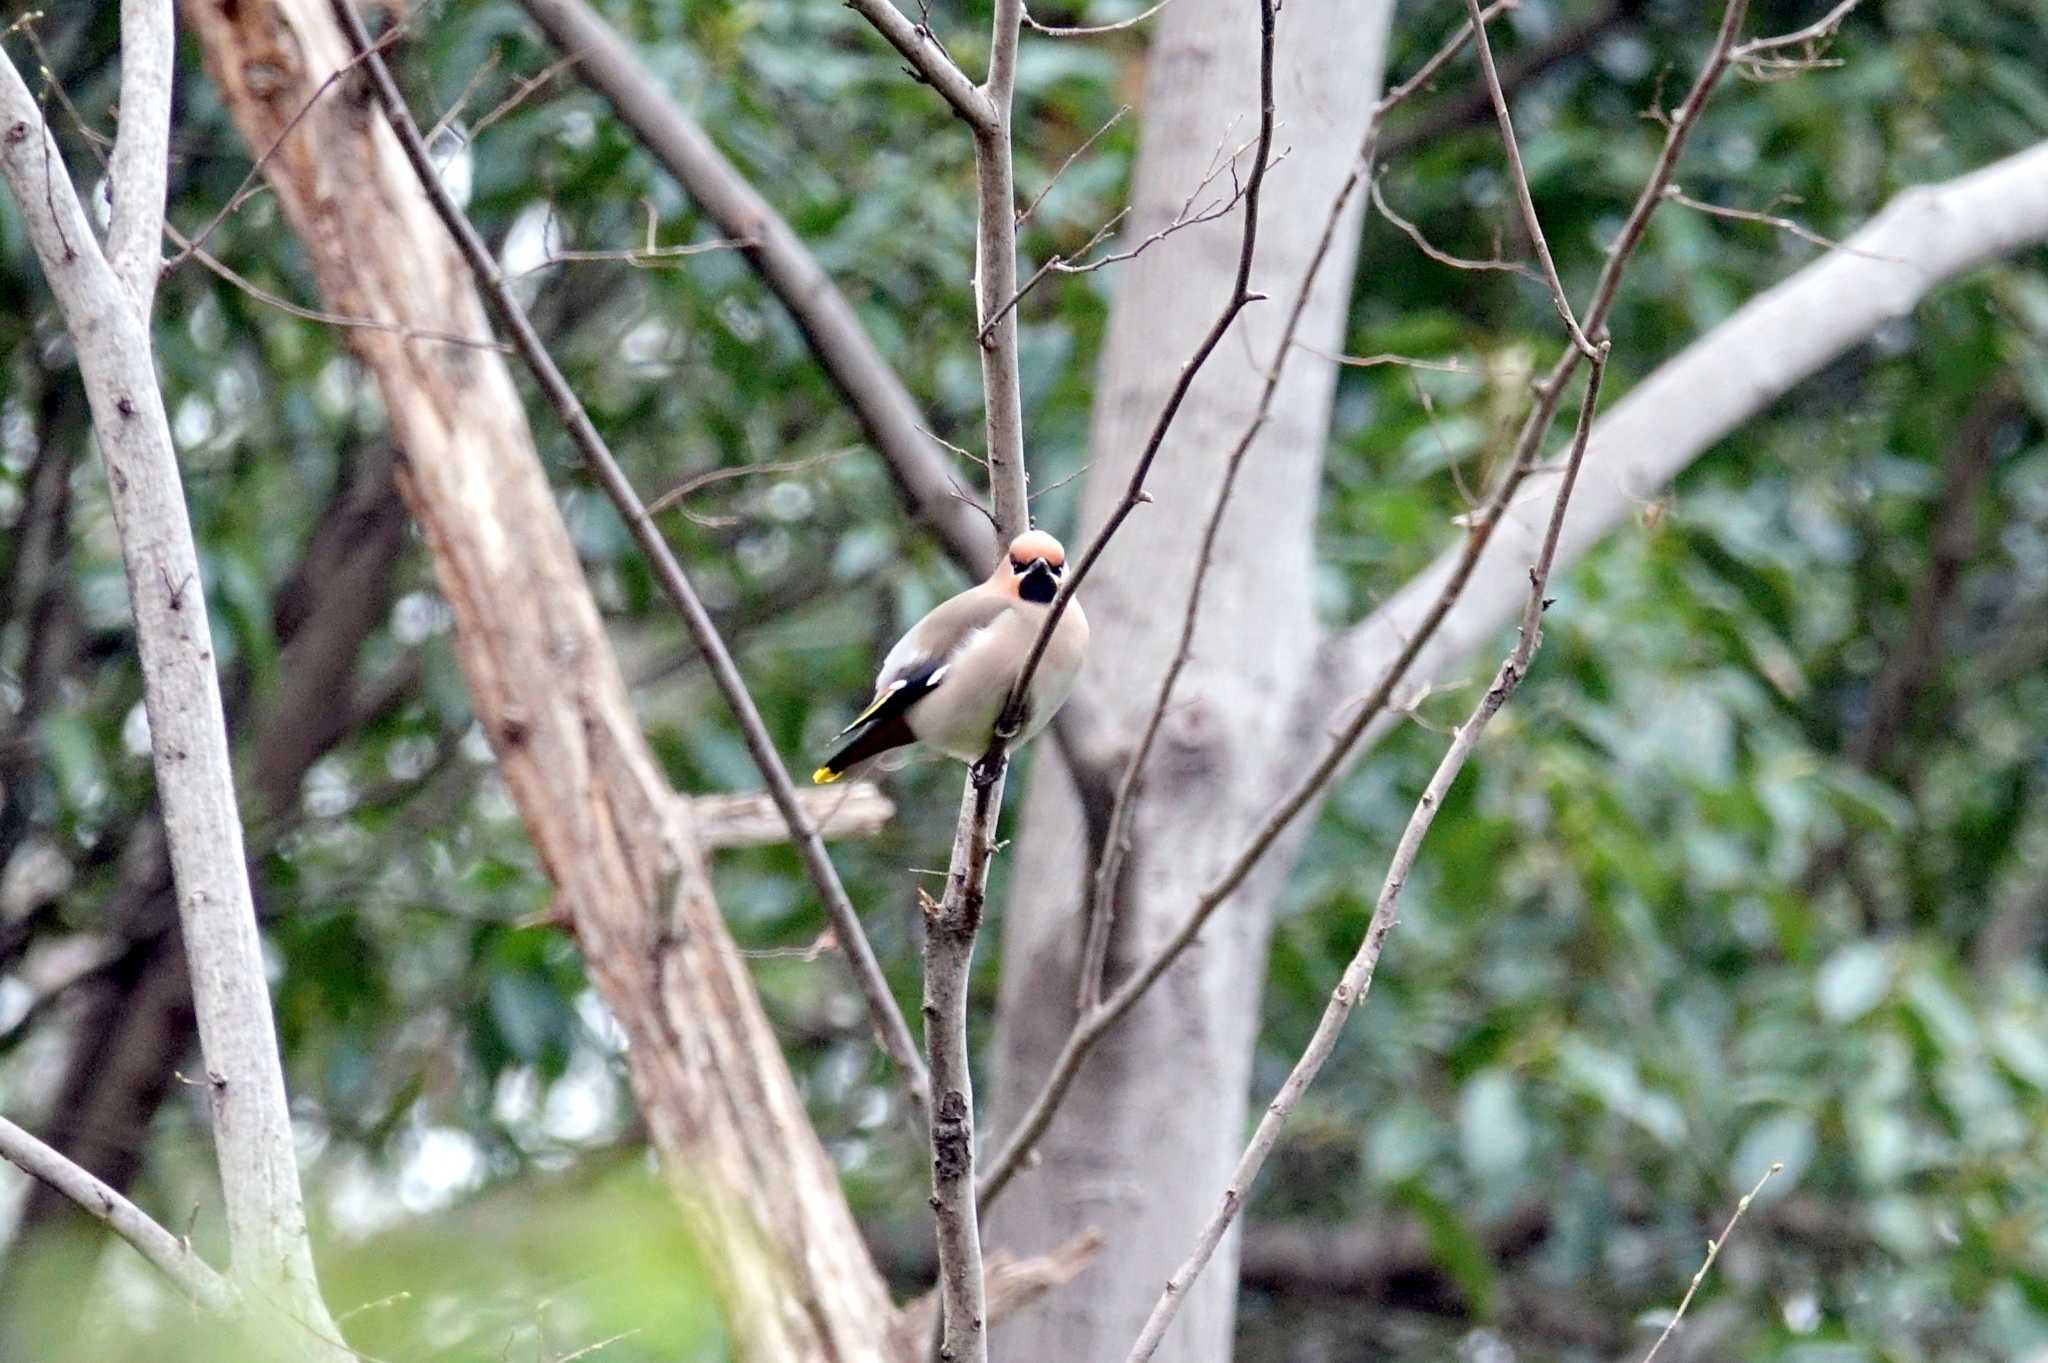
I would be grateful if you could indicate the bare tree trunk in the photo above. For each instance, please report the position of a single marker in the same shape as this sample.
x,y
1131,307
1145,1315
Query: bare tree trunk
x,y
719,1101
1158,1109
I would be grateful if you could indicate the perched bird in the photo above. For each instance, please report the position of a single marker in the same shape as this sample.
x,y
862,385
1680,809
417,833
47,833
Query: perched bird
x,y
945,682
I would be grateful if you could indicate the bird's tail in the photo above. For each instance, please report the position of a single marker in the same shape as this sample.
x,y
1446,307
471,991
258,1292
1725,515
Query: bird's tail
x,y
886,731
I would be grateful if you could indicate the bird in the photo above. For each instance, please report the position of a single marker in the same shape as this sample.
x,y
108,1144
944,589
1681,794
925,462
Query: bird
x,y
945,682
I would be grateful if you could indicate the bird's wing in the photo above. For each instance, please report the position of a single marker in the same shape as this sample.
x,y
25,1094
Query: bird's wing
x,y
919,660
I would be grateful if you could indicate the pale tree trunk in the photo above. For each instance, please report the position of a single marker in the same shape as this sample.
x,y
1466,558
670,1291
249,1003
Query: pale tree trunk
x,y
104,297
624,855
1156,1120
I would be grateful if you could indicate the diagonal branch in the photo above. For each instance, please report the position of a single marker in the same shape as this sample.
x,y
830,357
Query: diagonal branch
x,y
1925,237
849,357
1241,297
1518,69
165,1252
890,1029
1523,198
930,64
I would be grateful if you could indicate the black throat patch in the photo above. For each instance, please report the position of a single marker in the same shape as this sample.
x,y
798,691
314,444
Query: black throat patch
x,y
1038,585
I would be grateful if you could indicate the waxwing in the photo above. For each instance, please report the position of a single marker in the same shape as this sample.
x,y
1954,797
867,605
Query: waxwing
x,y
945,682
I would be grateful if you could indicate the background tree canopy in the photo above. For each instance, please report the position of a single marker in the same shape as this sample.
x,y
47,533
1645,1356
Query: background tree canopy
x,y
1755,870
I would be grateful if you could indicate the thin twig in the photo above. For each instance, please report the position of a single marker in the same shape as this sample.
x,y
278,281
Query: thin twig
x,y
252,183
1358,975
1520,176
1437,253
691,486
1781,223
520,94
333,319
1072,156
640,257
1188,216
1388,358
1817,32
469,88
890,1029
1713,1253
1093,30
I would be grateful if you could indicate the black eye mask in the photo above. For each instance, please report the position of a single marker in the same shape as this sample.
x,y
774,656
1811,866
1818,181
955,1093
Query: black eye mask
x,y
1039,583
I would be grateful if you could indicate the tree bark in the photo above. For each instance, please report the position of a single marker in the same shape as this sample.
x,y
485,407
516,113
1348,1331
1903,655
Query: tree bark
x,y
1158,1109
719,1101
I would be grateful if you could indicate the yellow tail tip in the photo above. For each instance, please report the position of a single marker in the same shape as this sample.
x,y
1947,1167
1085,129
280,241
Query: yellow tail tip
x,y
824,776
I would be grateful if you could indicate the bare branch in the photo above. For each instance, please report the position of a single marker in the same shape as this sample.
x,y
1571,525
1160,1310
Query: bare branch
x,y
995,280
1523,197
252,183
691,486
1241,297
333,319
640,257
951,925
890,1029
1437,254
1386,358
1099,913
1713,1248
462,97
521,92
1441,58
1767,219
1811,38
850,359
1474,104
1072,156
1013,1284
1094,30
166,1253
930,64
854,810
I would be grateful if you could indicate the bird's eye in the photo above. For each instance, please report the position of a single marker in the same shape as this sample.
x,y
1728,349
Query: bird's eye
x,y
1019,567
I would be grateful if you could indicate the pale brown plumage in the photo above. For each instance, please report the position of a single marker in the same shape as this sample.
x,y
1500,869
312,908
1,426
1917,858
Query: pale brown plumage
x,y
945,682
